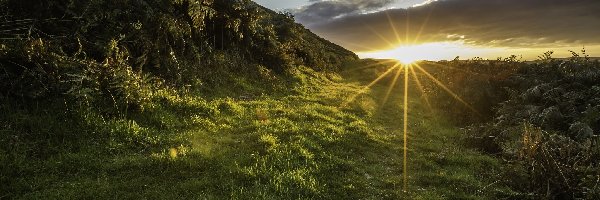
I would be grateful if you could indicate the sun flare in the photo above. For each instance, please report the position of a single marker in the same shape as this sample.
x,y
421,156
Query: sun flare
x,y
431,51
406,60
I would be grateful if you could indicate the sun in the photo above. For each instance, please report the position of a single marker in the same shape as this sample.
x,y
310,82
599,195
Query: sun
x,y
406,60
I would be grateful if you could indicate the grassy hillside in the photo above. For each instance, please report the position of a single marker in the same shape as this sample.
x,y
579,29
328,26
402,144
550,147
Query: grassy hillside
x,y
301,145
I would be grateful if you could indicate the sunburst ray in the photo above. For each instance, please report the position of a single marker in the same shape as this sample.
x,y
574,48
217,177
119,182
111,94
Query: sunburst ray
x,y
392,85
388,42
453,68
376,64
445,88
407,26
393,26
423,25
421,89
364,89
405,128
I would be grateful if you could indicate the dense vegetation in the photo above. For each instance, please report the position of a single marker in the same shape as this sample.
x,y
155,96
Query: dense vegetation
x,y
543,117
112,49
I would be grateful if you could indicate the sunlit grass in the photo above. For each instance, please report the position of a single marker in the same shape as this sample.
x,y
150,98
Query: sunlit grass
x,y
392,85
393,72
405,69
400,68
375,64
427,139
368,86
300,145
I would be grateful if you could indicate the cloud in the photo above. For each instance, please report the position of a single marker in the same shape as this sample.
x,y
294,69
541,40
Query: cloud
x,y
425,3
506,23
327,10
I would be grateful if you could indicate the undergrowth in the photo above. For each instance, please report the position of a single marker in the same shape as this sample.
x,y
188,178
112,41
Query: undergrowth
x,y
540,116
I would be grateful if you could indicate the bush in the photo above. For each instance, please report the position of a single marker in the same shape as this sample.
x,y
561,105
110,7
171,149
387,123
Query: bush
x,y
542,116
479,83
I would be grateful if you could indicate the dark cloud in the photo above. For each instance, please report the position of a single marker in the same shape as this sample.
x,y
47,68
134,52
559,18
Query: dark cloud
x,y
510,23
326,10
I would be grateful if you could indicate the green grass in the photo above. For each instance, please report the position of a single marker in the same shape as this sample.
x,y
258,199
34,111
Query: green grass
x,y
301,145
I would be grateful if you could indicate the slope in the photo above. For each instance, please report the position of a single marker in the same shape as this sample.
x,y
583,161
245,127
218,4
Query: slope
x,y
295,146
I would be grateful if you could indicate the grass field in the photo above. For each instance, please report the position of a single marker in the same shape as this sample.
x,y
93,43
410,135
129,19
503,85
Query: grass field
x,y
304,145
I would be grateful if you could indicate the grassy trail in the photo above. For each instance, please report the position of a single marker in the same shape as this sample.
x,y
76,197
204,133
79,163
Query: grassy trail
x,y
298,146
439,164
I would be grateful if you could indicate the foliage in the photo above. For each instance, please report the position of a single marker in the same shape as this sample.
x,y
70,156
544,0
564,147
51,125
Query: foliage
x,y
545,120
479,83
177,42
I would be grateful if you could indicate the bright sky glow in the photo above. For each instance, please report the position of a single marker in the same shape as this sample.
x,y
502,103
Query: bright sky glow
x,y
432,51
449,50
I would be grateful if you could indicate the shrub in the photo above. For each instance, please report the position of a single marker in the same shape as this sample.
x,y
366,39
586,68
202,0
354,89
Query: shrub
x,y
542,116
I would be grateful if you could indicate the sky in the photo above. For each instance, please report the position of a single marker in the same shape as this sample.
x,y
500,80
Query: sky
x,y
444,29
281,5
